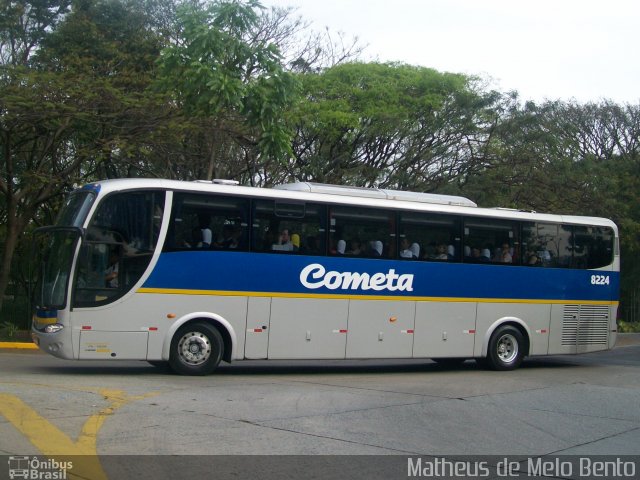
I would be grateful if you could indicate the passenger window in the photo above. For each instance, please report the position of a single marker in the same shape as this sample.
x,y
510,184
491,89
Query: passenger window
x,y
426,236
488,240
289,227
362,232
203,222
567,246
545,245
592,247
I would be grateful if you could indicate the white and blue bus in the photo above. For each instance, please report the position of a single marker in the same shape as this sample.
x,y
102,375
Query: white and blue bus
x,y
192,273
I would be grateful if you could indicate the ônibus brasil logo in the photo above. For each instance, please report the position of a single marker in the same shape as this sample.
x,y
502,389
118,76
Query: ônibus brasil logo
x,y
316,276
36,469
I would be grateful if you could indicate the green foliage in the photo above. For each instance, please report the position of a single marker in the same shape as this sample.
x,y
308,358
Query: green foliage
x,y
238,89
386,124
9,329
628,327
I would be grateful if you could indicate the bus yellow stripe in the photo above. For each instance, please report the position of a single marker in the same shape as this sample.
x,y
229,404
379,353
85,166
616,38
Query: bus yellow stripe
x,y
337,296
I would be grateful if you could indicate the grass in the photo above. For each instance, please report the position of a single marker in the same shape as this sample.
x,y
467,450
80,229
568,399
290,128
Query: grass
x,y
10,332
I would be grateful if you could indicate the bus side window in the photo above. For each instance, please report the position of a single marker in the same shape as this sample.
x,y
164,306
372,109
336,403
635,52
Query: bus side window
x,y
361,232
290,228
431,237
491,240
204,221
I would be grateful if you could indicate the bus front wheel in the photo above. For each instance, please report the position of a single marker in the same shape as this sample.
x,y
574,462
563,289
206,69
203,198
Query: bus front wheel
x,y
196,349
506,348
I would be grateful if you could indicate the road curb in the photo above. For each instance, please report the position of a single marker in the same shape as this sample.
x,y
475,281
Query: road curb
x,y
19,345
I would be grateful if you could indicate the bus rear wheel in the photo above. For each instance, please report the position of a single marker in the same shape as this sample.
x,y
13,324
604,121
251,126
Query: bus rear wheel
x,y
196,349
506,348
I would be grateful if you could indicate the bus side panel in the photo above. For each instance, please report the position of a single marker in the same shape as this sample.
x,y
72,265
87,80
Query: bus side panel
x,y
444,329
308,328
536,318
158,311
380,329
257,331
113,345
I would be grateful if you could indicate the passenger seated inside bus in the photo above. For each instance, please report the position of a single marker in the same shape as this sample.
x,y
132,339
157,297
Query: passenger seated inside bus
x,y
111,273
355,249
480,255
341,246
533,259
505,254
230,238
375,248
451,252
284,242
196,239
441,252
207,235
405,251
311,247
295,241
409,250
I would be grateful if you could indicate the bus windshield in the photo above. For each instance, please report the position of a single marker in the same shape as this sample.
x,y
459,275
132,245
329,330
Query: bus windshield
x,y
55,247
75,209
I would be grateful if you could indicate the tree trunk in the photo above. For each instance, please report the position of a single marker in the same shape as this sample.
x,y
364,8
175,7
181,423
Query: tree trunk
x,y
15,227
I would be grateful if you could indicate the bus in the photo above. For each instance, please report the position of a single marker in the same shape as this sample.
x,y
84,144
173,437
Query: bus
x,y
195,273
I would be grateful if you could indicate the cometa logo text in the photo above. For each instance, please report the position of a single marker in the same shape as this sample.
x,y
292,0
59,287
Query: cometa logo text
x,y
315,276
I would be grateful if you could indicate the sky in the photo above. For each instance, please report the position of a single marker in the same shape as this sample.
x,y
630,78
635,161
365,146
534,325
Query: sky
x,y
584,50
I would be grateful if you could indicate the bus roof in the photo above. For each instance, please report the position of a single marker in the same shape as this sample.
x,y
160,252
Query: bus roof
x,y
377,193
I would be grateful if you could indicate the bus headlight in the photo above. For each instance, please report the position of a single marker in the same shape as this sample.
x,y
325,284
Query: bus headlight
x,y
53,328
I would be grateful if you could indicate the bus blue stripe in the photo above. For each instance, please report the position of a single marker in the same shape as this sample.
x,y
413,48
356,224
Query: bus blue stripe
x,y
280,274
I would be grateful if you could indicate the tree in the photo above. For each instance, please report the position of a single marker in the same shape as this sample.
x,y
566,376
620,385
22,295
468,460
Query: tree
x,y
23,26
568,158
230,86
76,108
390,125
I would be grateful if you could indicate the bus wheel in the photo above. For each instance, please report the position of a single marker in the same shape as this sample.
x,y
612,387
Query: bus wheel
x,y
196,349
506,348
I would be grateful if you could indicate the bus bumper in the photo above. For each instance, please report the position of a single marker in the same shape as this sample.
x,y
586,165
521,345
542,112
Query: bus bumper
x,y
57,343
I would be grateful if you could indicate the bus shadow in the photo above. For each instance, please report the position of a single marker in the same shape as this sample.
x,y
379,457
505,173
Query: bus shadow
x,y
303,367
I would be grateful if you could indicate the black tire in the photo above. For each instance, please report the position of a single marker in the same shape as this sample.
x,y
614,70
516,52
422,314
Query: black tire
x,y
449,361
196,349
506,348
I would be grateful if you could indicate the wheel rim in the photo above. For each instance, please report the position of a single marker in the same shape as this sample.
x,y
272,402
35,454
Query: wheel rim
x,y
194,348
507,348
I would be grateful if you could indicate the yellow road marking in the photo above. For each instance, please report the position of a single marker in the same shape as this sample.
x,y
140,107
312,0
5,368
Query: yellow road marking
x,y
53,443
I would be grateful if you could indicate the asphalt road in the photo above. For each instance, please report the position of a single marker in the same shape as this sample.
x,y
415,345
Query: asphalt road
x,y
567,405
